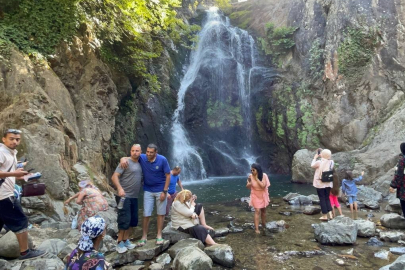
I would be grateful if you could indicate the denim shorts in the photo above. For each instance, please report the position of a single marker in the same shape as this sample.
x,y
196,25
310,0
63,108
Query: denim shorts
x,y
12,215
352,199
128,215
149,199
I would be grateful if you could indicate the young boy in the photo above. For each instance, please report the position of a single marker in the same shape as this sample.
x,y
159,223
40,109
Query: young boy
x,y
349,188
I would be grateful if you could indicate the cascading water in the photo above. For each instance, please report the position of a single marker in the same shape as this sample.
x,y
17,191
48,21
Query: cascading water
x,y
209,131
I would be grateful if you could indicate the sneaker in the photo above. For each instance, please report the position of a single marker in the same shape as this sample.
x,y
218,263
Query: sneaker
x,y
129,245
121,247
31,254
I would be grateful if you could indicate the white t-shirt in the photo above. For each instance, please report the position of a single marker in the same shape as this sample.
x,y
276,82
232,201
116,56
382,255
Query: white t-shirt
x,y
8,158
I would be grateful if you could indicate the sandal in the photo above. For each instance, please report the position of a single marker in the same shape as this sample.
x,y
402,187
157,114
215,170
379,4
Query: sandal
x,y
159,241
141,243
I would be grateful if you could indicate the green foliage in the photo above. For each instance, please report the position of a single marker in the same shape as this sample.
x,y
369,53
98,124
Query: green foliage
x,y
357,50
223,114
224,5
316,60
39,25
241,18
277,41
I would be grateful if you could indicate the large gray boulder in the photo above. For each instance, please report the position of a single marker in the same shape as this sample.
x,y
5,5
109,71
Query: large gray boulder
x,y
191,258
393,221
221,254
339,231
53,246
392,236
300,200
147,252
9,247
49,261
184,243
301,167
66,251
365,228
311,210
399,264
314,198
174,235
290,196
368,193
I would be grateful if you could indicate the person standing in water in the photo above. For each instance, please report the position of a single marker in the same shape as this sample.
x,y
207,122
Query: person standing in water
x,y
258,183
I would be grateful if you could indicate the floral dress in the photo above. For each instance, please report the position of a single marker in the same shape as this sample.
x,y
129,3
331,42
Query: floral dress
x,y
93,203
89,260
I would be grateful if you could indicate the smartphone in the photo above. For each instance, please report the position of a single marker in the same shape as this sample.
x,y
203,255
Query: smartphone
x,y
319,152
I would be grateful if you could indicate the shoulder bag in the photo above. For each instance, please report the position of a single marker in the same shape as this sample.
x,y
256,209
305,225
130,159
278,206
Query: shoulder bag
x,y
327,176
33,189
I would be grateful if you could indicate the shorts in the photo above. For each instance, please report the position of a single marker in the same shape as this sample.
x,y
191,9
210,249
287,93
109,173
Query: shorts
x,y
128,215
334,200
149,199
352,199
12,215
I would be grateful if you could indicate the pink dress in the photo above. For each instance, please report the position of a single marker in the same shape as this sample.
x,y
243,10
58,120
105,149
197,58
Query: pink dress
x,y
259,198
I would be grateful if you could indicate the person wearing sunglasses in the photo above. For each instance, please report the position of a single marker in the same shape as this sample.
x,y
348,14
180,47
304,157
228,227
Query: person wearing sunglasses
x,y
258,183
11,214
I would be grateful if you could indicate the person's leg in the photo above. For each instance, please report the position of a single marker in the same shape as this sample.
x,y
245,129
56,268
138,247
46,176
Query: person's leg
x,y
201,216
256,221
402,206
127,233
161,212
123,219
263,216
340,210
322,201
328,205
148,204
22,240
121,235
209,240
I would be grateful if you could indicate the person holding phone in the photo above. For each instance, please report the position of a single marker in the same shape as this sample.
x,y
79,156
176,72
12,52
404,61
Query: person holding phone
x,y
258,183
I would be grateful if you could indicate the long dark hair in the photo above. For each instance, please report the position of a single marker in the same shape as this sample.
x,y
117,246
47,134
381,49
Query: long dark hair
x,y
349,175
259,170
336,187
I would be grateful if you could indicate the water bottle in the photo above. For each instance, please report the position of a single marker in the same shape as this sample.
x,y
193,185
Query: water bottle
x,y
121,203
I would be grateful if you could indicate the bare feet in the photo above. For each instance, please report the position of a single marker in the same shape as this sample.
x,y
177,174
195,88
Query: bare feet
x,y
208,227
257,231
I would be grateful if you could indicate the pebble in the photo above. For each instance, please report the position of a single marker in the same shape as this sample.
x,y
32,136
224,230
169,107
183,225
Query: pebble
x,y
340,262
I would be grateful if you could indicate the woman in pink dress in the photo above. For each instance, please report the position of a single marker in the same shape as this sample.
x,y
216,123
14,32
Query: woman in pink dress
x,y
258,183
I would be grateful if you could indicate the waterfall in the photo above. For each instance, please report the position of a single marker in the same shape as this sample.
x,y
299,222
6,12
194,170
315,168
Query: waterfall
x,y
220,47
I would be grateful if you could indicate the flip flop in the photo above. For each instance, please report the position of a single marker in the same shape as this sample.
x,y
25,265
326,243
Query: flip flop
x,y
323,219
141,243
159,241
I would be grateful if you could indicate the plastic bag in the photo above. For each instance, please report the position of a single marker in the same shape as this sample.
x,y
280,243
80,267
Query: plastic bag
x,y
74,222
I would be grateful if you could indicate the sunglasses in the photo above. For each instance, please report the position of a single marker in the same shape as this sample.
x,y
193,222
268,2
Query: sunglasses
x,y
14,131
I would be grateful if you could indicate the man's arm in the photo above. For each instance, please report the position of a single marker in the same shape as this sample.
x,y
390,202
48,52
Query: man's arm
x,y
124,162
180,185
116,181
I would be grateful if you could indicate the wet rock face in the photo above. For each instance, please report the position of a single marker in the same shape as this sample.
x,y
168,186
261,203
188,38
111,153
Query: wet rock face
x,y
339,231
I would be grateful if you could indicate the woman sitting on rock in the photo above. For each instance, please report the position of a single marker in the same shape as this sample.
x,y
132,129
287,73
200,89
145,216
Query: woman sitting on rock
x,y
86,256
91,199
189,217
258,183
323,188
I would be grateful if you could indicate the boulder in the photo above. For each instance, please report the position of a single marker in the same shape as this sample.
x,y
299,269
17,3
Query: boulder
x,y
300,200
147,252
373,241
192,242
192,258
365,228
164,259
66,251
398,264
221,232
285,213
392,236
368,193
290,196
340,231
314,198
383,254
174,235
371,204
9,247
301,169
393,221
48,262
221,254
311,210
53,246
108,244
156,266
276,226
398,250
110,217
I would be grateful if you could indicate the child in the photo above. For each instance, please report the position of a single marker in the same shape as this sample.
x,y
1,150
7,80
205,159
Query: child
x,y
334,193
349,188
172,193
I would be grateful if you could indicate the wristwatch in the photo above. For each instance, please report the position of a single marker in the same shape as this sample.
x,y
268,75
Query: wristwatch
x,y
165,191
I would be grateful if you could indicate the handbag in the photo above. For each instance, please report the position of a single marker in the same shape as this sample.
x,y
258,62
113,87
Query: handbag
x,y
327,176
33,189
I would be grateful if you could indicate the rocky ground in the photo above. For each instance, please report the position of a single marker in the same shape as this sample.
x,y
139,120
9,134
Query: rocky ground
x,y
294,238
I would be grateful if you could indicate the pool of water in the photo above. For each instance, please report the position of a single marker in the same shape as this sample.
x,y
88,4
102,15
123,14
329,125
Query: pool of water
x,y
225,189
